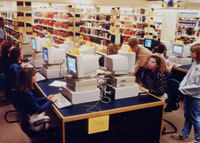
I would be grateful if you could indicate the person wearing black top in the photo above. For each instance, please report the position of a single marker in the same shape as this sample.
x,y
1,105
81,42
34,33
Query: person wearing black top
x,y
4,59
154,81
4,66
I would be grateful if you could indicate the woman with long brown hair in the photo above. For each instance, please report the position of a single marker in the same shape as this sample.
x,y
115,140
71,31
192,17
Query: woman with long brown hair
x,y
25,94
154,81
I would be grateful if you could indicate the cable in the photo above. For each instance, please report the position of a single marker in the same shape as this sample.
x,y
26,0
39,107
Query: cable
x,y
101,84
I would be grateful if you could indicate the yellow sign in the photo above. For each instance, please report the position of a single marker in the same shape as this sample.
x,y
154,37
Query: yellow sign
x,y
74,51
126,48
179,42
98,124
168,37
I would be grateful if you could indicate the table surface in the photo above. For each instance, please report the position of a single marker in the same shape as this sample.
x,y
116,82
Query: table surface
x,y
81,109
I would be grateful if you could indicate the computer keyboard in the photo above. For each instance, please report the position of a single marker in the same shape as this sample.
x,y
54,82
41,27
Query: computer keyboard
x,y
39,76
28,65
62,101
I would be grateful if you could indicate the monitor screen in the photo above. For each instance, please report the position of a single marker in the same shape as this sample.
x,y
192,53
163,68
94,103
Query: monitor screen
x,y
33,43
45,54
177,49
148,43
71,65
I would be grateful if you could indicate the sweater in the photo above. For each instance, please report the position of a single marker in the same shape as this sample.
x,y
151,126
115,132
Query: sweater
x,y
155,82
190,85
30,104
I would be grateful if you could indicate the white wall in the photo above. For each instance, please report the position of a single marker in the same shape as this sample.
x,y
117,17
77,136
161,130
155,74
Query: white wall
x,y
169,23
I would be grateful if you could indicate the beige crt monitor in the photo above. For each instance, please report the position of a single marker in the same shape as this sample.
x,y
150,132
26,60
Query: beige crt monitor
x,y
81,66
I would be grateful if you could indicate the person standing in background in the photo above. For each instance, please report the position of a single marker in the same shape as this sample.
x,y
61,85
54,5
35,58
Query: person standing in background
x,y
142,56
3,36
190,88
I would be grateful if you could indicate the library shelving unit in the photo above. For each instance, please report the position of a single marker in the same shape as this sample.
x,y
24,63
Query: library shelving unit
x,y
60,21
10,18
134,23
18,21
187,27
95,25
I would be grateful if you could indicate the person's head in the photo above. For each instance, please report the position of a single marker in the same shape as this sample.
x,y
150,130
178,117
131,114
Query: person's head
x,y
112,49
16,55
161,48
5,50
26,79
133,43
2,23
195,52
154,63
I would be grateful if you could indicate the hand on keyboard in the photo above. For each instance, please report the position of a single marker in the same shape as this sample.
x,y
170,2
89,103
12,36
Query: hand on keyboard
x,y
62,101
52,98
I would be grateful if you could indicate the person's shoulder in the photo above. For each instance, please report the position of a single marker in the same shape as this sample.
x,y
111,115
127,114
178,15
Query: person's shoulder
x,y
14,65
145,50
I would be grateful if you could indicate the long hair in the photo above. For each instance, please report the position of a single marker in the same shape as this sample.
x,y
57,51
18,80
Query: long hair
x,y
161,48
158,62
14,55
24,82
6,49
196,48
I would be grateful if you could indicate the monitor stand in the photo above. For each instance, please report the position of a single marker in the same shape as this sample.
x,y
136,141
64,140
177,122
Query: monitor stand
x,y
53,71
81,90
37,59
82,96
123,86
180,60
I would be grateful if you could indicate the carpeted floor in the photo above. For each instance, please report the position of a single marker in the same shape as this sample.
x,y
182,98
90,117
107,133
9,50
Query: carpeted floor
x,y
12,133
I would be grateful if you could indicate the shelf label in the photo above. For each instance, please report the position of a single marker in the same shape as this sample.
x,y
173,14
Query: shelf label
x,y
179,42
126,48
98,124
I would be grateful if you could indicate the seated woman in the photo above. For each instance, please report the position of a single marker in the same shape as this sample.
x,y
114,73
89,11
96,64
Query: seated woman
x,y
4,64
4,59
154,81
25,96
15,67
160,51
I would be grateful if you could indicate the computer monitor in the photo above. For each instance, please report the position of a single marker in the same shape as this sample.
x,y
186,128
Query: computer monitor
x,y
85,50
81,66
181,50
37,43
150,44
121,63
53,55
33,43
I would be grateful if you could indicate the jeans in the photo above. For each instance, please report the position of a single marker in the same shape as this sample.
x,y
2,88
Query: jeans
x,y
192,117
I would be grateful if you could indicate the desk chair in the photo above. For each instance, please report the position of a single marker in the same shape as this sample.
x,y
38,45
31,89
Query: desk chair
x,y
3,85
36,136
173,102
